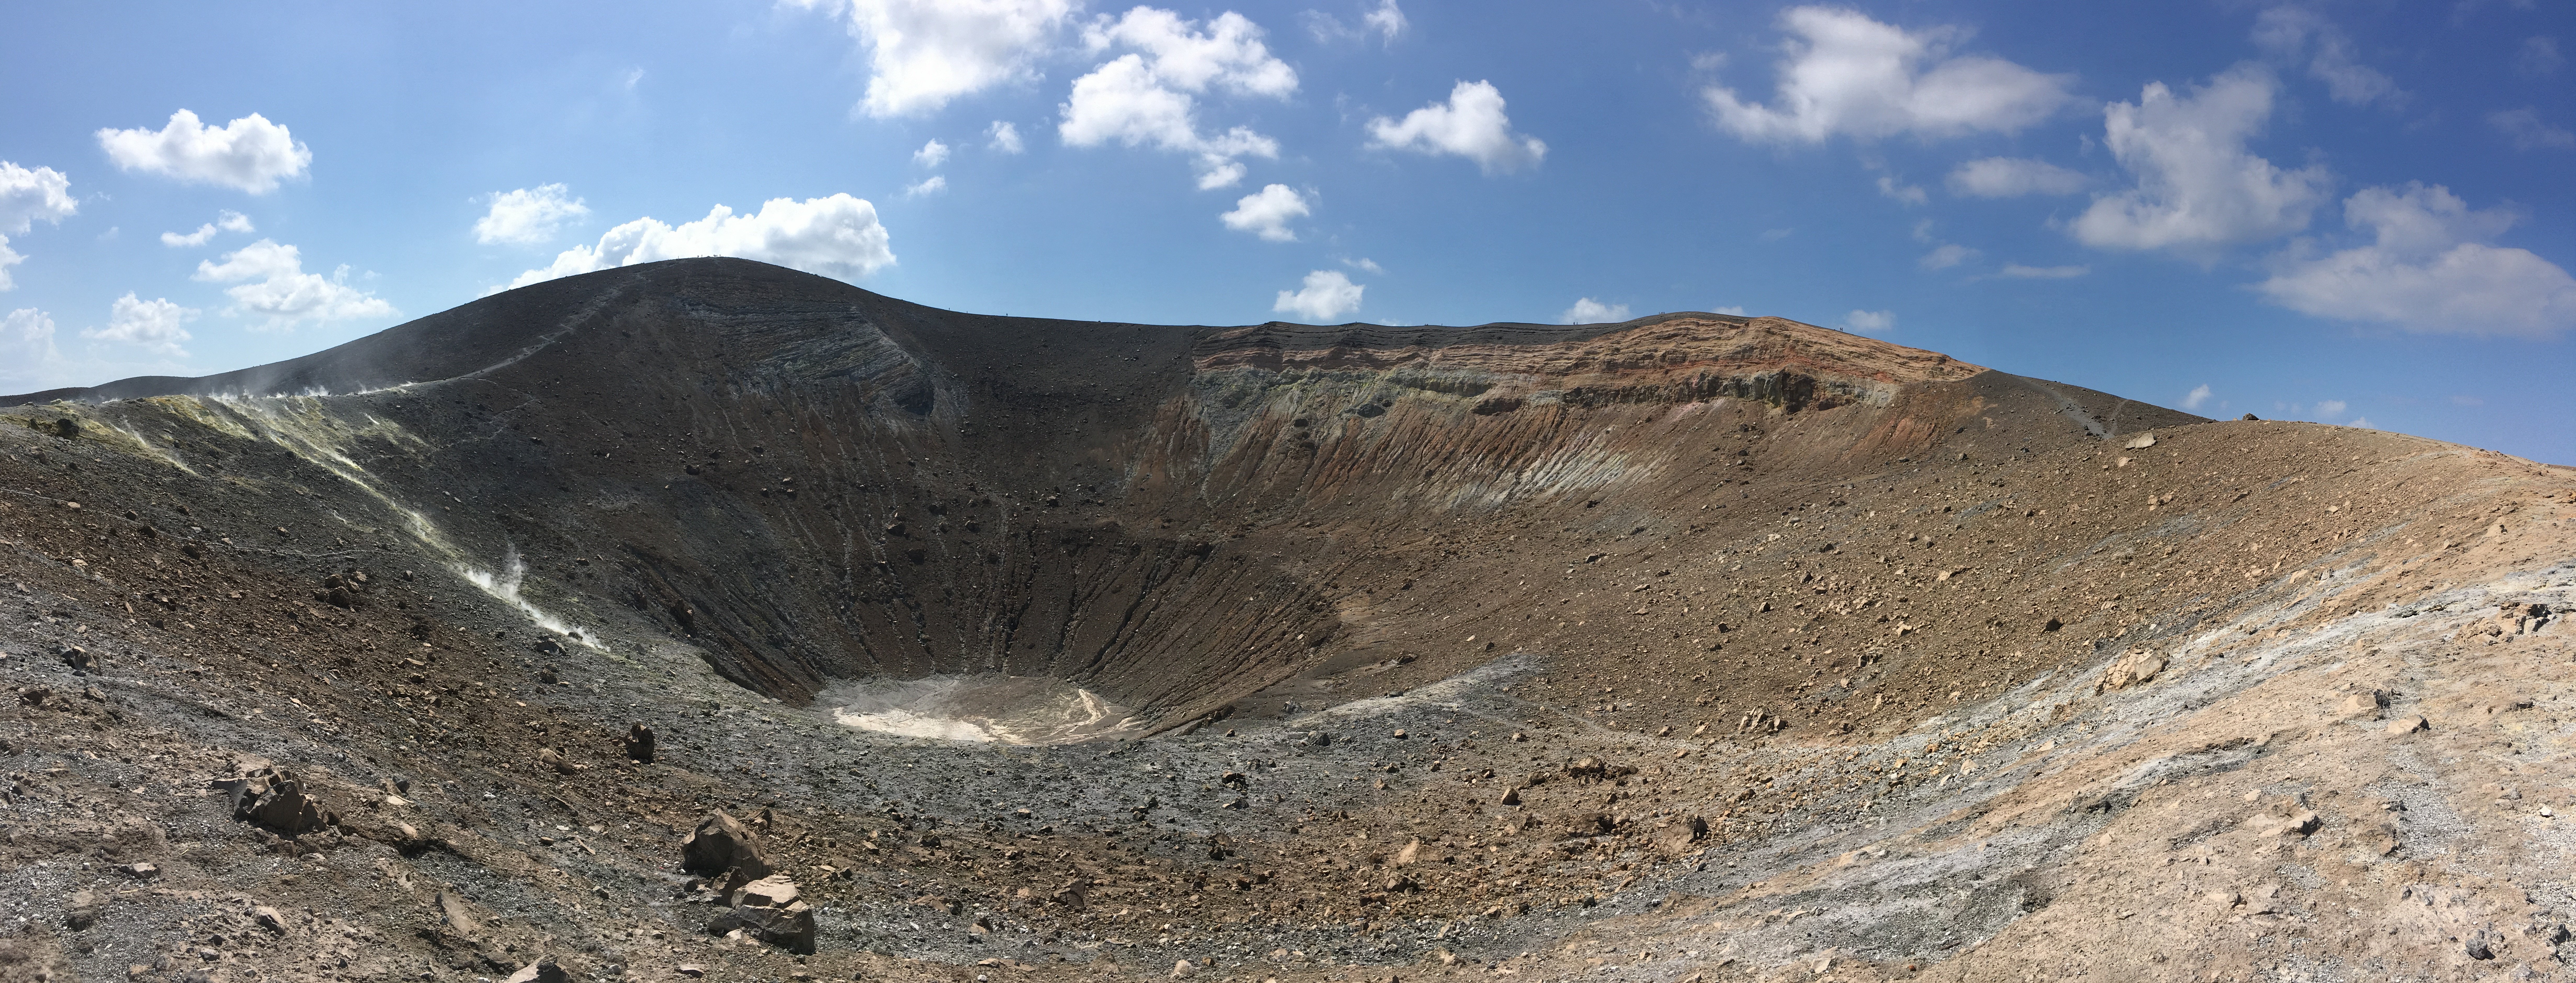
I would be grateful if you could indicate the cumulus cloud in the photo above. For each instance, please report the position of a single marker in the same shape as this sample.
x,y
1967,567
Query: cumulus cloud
x,y
1947,256
1002,137
1869,322
2196,398
225,221
931,185
151,325
1363,263
2298,34
1148,96
837,237
270,283
2359,423
1589,311
1327,294
1732,310
250,154
2197,186
2018,271
924,53
1471,124
26,342
2328,409
8,258
1267,212
2429,268
1843,73
527,216
2524,127
27,196
2012,177
935,153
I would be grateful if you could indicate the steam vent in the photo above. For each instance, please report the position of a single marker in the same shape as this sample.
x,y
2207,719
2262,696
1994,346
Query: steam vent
x,y
708,620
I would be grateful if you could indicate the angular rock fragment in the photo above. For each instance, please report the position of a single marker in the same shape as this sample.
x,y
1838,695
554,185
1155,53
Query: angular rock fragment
x,y
639,743
274,798
722,847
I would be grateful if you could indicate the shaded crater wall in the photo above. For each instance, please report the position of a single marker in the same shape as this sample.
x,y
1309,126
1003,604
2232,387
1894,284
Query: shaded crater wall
x,y
808,481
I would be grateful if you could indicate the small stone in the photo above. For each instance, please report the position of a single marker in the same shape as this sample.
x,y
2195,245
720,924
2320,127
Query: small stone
x,y
1182,969
141,871
270,919
541,971
1511,797
2408,725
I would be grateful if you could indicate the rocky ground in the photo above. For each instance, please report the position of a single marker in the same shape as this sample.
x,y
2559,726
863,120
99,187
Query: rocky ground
x,y
1691,647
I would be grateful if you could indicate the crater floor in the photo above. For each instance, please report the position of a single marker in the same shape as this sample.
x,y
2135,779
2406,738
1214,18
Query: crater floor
x,y
979,648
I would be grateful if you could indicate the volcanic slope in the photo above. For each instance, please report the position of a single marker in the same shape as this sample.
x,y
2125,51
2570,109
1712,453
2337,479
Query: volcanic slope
x,y
1693,644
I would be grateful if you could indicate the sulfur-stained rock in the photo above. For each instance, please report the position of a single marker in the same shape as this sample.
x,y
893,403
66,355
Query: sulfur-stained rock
x,y
2134,669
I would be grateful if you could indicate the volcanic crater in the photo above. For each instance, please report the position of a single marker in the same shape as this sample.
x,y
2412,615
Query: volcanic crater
x,y
966,647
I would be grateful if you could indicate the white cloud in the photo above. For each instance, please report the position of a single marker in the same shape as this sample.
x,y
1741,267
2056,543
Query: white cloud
x,y
1589,311
2197,186
2011,177
1471,124
250,153
26,342
271,284
935,153
225,221
1365,264
1267,213
2328,409
1327,294
931,185
29,195
1907,193
2524,128
2538,56
837,236
1843,73
152,325
1869,322
2197,398
2018,271
2294,33
1386,20
527,216
8,258
1731,310
2429,269
2359,422
1947,256
1004,138
1775,235
1147,97
924,53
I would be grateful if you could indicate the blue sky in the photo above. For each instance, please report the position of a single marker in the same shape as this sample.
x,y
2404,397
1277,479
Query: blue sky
x,y
2345,212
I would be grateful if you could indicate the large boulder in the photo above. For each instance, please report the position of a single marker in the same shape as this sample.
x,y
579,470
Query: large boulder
x,y
770,910
722,847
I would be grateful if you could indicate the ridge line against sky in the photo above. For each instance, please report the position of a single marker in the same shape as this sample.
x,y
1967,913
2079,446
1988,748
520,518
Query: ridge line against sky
x,y
2321,211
